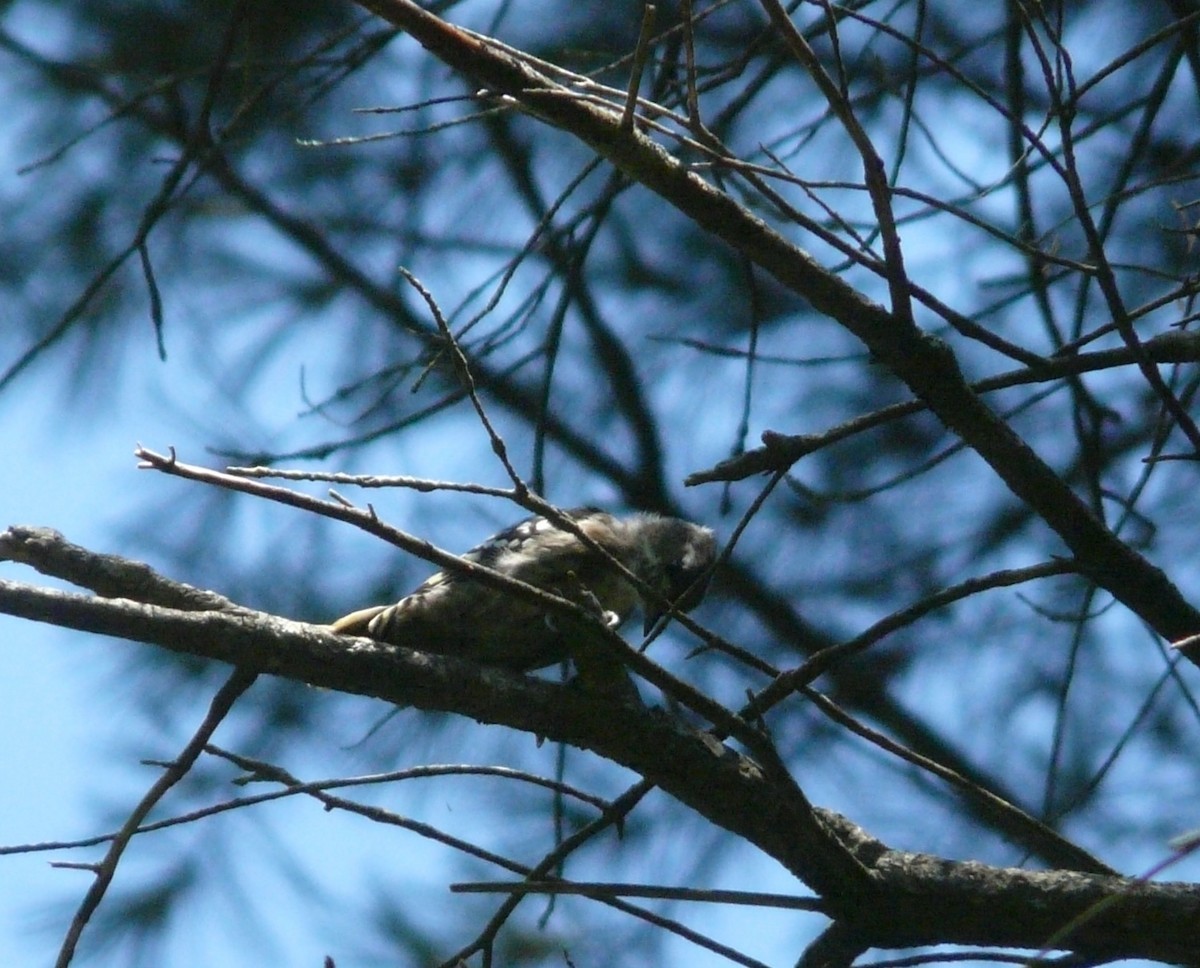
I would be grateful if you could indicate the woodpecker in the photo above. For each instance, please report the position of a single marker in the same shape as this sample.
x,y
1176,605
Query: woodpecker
x,y
453,614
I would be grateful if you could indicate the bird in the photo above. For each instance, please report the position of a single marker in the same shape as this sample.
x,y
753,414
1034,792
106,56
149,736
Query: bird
x,y
453,613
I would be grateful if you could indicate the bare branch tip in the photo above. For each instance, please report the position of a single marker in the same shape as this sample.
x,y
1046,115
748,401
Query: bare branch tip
x,y
1187,642
67,865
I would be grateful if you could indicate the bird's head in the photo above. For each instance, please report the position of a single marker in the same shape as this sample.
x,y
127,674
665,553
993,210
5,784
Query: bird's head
x,y
677,560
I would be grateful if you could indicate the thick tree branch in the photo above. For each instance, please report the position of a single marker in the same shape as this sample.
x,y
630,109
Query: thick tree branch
x,y
926,364
887,898
674,755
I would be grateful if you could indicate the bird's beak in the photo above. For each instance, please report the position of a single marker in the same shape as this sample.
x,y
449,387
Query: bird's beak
x,y
652,616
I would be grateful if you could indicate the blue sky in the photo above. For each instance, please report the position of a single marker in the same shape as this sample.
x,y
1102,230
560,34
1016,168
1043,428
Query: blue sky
x,y
70,737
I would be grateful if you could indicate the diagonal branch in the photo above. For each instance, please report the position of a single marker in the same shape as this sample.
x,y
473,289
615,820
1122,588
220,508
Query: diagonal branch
x,y
222,702
885,897
781,451
926,364
692,765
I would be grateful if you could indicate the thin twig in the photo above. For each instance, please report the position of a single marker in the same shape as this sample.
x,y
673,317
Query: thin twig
x,y
781,451
423,484
266,772
222,702
639,66
1048,842
824,660
463,369
607,890
874,173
